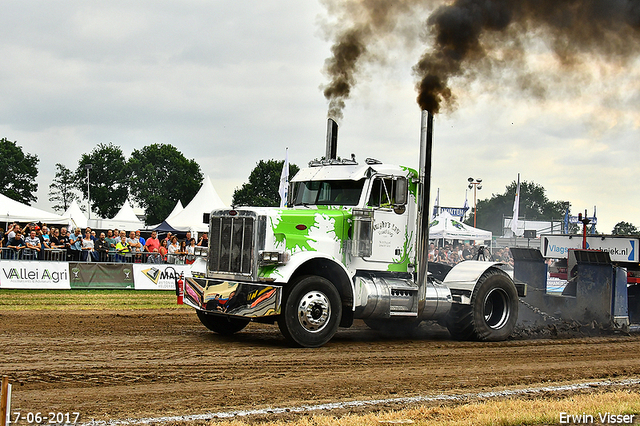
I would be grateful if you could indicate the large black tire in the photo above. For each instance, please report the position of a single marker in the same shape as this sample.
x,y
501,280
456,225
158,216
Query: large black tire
x,y
493,311
222,324
311,312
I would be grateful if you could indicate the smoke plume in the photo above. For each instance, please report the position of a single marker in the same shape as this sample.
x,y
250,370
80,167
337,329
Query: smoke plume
x,y
466,32
467,39
342,67
361,23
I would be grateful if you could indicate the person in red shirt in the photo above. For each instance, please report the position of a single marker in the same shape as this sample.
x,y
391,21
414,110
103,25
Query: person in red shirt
x,y
152,245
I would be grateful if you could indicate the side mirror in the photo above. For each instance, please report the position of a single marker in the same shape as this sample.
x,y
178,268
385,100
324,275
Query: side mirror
x,y
401,191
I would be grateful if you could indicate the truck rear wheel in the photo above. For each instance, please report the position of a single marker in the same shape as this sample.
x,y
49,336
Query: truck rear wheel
x,y
222,324
493,311
311,312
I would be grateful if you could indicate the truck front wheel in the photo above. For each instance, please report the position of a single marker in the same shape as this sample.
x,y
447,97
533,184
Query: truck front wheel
x,y
222,324
493,311
311,312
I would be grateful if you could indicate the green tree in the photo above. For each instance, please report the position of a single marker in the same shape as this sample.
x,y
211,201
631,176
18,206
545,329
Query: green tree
x,y
625,228
263,186
62,188
108,180
19,172
160,176
534,205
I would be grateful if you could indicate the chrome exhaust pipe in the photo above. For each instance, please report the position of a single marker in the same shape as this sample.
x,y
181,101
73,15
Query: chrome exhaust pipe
x,y
332,140
426,144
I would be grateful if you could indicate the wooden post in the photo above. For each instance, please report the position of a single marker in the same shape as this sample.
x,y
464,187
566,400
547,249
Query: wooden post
x,y
3,401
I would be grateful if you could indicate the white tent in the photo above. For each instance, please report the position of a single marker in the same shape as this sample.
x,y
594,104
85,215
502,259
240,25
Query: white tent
x,y
125,219
75,216
205,201
176,210
14,211
446,226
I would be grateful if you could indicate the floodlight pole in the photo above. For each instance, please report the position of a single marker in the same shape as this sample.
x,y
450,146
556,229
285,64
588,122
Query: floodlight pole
x,y
88,167
476,185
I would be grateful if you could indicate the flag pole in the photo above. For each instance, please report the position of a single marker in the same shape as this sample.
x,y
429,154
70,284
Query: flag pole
x,y
516,213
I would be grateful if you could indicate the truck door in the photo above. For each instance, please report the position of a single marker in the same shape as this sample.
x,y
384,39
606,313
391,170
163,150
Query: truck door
x,y
390,220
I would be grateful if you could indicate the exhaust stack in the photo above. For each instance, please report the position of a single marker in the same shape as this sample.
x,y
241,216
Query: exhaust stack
x,y
426,144
332,140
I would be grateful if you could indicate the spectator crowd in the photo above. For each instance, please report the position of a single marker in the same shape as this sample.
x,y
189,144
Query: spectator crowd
x,y
452,254
41,242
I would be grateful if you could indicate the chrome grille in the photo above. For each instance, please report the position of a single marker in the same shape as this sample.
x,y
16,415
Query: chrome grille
x,y
231,244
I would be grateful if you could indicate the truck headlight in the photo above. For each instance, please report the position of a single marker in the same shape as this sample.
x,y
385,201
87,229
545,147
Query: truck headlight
x,y
273,257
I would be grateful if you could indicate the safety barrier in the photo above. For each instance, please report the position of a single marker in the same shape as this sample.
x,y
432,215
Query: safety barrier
x,y
65,255
28,274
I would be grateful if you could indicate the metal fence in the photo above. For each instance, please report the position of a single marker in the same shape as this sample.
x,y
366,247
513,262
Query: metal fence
x,y
68,255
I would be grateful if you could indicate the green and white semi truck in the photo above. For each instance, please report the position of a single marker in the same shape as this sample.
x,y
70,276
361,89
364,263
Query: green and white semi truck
x,y
352,243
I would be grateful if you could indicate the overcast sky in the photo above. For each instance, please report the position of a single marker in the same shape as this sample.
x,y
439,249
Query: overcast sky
x,y
231,83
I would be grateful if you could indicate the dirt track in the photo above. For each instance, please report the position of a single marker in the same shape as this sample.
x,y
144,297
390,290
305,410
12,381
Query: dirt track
x,y
123,364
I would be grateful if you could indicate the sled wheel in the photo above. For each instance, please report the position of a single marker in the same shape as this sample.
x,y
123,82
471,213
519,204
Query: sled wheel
x,y
222,324
311,312
493,311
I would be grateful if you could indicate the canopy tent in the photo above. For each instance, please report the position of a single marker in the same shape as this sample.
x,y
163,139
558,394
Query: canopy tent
x,y
164,227
205,201
446,226
176,210
14,211
125,219
75,216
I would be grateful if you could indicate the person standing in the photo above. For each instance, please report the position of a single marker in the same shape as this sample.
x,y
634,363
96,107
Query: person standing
x,y
112,240
152,246
63,239
191,252
16,244
140,238
54,242
101,247
182,252
75,245
87,246
32,246
163,250
122,248
173,250
11,231
168,238
134,242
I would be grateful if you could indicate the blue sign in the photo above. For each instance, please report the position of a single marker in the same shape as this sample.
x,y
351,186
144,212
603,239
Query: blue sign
x,y
453,211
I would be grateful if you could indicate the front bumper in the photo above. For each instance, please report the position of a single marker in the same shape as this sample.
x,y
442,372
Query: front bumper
x,y
250,300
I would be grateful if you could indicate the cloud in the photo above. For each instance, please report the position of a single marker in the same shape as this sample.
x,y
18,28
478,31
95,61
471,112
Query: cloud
x,y
231,83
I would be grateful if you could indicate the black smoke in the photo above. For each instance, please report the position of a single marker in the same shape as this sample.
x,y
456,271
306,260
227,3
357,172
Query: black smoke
x,y
466,32
465,39
361,24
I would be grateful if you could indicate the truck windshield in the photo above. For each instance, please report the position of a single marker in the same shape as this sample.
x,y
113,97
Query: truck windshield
x,y
327,193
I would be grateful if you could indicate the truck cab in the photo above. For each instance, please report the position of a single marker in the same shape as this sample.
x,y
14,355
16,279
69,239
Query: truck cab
x,y
345,247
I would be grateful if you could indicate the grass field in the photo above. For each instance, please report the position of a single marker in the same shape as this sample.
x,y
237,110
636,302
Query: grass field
x,y
16,300
506,412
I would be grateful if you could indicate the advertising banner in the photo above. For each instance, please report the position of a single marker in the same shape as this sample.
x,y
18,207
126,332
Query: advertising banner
x,y
149,276
621,249
34,274
101,275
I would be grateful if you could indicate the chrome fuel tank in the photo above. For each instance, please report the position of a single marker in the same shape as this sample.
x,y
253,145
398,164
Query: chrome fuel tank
x,y
382,296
